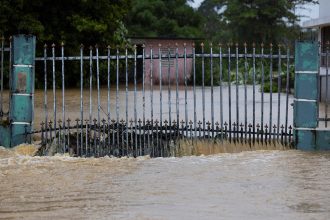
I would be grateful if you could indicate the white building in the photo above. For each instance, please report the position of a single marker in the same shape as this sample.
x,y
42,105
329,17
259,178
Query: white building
x,y
322,23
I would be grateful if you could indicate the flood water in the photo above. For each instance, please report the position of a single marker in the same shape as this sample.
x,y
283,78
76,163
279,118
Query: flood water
x,y
248,185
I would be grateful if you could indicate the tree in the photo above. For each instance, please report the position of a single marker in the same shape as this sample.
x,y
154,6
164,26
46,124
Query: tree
x,y
213,24
71,21
256,20
163,18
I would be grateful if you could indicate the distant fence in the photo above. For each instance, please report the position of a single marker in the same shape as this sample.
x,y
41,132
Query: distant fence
x,y
236,94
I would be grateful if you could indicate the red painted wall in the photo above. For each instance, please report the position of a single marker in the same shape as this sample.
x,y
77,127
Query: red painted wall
x,y
165,44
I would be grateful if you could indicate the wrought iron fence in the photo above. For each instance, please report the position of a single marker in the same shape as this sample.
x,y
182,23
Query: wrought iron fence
x,y
141,101
223,98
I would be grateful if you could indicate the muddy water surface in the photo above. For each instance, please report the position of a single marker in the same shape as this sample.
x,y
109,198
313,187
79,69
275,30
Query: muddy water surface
x,y
248,185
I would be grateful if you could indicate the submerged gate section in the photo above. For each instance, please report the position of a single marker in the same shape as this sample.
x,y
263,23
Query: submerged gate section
x,y
241,98
16,126
237,95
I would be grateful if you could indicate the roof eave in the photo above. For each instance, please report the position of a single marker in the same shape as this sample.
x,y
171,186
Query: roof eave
x,y
319,22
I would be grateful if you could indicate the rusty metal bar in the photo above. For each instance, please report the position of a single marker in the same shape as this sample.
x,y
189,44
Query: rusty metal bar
x,y
108,95
254,92
98,95
160,91
143,99
212,91
287,92
151,94
45,93
81,98
237,93
203,85
135,103
54,90
221,92
90,91
169,88
194,89
262,92
185,87
63,97
126,97
177,88
117,97
270,92
279,88
245,90
229,91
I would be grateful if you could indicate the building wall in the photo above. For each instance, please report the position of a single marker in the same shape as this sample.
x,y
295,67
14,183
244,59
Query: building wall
x,y
165,44
324,8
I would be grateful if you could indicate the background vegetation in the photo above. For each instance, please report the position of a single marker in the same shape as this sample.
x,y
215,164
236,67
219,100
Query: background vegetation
x,y
107,22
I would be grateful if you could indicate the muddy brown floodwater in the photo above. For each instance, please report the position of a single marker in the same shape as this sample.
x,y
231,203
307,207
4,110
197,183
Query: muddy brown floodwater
x,y
248,185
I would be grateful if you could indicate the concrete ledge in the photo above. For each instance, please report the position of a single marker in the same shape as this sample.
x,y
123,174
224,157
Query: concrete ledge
x,y
323,139
311,140
5,135
19,135
305,139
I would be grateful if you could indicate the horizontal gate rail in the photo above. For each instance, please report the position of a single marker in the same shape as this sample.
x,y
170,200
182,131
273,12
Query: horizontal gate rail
x,y
147,57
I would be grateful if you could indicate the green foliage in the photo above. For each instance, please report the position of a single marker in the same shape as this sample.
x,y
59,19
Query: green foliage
x,y
160,18
70,21
110,22
251,20
73,22
245,70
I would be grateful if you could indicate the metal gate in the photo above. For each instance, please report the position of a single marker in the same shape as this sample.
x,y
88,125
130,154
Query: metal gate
x,y
154,100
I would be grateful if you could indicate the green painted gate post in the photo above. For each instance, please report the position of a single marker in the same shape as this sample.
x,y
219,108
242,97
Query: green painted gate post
x,y
20,121
22,88
305,118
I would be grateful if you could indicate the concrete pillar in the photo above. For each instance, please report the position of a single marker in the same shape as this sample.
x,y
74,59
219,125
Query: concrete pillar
x,y
305,116
14,131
